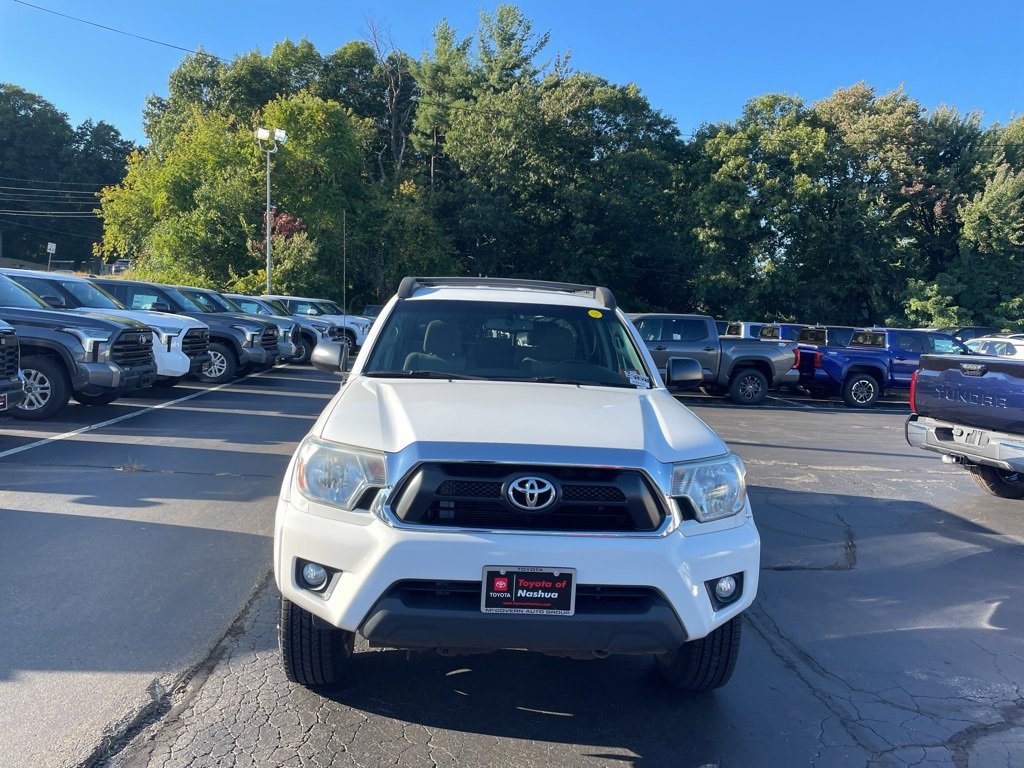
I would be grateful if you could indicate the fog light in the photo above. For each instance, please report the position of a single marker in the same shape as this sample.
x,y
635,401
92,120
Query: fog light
x,y
725,588
314,575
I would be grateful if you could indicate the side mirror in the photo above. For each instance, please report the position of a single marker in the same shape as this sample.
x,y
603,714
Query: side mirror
x,y
330,357
159,306
55,301
312,312
683,373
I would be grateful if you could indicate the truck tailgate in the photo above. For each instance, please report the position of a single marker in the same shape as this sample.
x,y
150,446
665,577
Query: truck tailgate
x,y
972,390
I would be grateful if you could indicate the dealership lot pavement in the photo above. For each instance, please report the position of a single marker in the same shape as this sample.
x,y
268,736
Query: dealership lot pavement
x,y
888,631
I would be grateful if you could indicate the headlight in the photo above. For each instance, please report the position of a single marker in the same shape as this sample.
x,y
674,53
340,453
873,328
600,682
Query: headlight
x,y
337,475
717,488
321,329
91,338
164,335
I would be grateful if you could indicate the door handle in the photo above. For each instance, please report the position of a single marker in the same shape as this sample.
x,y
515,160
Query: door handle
x,y
659,349
708,349
901,358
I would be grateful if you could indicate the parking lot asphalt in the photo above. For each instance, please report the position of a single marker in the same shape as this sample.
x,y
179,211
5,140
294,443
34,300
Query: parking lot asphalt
x,y
887,631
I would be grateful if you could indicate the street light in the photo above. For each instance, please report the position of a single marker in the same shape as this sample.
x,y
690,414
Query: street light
x,y
275,138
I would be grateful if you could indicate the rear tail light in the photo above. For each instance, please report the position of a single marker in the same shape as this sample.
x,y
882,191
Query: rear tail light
x,y
817,359
913,392
796,358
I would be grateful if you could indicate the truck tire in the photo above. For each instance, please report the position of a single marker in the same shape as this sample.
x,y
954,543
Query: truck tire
x,y
222,366
861,390
748,387
304,350
705,664
47,389
105,398
314,655
349,340
1003,483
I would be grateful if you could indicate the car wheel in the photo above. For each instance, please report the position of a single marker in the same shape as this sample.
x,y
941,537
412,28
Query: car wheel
x,y
222,366
748,387
46,389
861,390
314,655
705,664
105,398
349,341
1003,483
304,349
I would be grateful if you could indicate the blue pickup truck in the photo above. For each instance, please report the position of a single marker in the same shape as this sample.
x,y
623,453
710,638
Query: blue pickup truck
x,y
971,410
873,361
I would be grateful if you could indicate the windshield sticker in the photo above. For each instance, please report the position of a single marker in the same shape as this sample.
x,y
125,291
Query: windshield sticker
x,y
595,314
638,380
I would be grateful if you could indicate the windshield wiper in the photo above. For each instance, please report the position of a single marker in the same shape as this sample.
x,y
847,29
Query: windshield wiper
x,y
422,375
575,382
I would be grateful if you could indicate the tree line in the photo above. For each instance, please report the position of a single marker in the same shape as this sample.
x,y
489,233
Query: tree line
x,y
487,155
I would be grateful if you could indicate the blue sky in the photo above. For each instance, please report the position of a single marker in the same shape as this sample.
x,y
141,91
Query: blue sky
x,y
696,61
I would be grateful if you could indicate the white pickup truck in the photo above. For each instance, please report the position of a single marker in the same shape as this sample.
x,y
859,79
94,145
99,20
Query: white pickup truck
x,y
504,468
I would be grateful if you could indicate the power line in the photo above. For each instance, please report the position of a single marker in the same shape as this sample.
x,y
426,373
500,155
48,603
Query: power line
x,y
121,31
51,214
45,200
52,191
65,183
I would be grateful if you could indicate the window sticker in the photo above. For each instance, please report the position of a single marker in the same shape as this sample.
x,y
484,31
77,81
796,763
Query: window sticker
x,y
638,380
595,314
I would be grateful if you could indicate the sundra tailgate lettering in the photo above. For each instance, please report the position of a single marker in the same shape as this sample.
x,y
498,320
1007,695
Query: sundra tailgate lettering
x,y
958,395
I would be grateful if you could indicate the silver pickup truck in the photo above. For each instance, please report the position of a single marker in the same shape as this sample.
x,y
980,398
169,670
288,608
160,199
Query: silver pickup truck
x,y
745,369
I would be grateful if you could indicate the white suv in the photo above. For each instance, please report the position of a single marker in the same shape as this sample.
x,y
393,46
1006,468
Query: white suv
x,y
504,468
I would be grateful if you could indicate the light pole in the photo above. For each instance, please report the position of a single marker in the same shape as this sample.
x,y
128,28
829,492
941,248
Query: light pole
x,y
274,138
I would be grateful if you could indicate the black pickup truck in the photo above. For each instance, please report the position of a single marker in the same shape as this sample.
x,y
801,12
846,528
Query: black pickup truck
x,y
90,356
970,409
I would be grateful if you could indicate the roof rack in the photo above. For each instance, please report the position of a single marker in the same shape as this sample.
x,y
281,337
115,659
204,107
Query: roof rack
x,y
410,285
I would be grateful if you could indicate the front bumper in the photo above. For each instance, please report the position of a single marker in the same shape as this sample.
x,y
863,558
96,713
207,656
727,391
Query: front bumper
x,y
373,560
12,393
171,363
970,445
256,356
286,349
94,378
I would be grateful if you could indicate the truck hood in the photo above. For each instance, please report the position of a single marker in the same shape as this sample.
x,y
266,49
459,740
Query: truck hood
x,y
389,415
162,319
59,318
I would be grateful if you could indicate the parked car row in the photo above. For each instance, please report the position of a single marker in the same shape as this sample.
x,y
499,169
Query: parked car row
x,y
748,359
94,339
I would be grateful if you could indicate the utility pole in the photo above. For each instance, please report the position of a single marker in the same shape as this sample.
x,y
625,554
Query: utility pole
x,y
275,139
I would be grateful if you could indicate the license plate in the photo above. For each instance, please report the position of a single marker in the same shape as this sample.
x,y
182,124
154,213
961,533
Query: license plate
x,y
525,589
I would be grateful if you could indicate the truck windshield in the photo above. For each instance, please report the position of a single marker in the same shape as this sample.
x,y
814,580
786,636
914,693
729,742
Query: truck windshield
x,y
13,295
502,341
89,295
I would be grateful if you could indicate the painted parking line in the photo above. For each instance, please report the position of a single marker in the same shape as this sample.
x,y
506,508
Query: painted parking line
x,y
118,419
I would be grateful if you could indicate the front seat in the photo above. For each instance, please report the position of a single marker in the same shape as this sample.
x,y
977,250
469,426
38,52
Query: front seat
x,y
442,349
551,344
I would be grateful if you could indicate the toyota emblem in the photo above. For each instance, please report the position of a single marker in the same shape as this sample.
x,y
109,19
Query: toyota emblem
x,y
532,494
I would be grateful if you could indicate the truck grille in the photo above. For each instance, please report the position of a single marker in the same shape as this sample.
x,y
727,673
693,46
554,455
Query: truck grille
x,y
470,495
131,348
8,355
590,598
269,340
196,342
